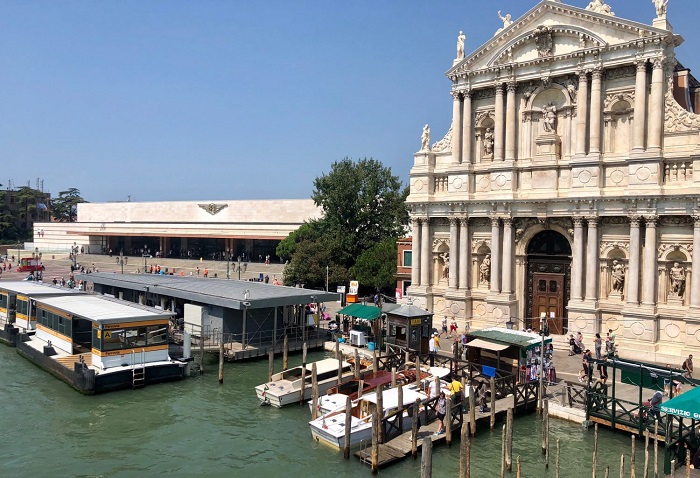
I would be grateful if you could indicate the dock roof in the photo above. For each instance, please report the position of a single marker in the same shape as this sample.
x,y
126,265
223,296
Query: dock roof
x,y
104,310
233,294
519,338
35,289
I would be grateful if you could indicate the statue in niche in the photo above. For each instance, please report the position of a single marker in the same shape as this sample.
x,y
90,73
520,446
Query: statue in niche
x,y
661,7
677,279
485,270
460,45
507,21
618,277
445,257
571,89
488,142
425,139
549,118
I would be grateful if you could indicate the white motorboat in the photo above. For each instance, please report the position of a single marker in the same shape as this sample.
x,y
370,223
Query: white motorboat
x,y
285,387
330,428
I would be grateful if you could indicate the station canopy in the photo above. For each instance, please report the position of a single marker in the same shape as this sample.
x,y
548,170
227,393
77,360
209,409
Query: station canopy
x,y
367,312
508,337
685,405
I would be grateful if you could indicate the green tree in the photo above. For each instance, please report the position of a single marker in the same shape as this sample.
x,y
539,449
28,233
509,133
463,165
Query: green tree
x,y
363,201
8,231
64,208
27,199
376,266
307,231
311,257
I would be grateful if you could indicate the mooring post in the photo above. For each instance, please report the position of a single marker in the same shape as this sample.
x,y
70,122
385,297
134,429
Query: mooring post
x,y
492,384
314,392
472,411
556,466
465,451
633,458
221,362
541,384
656,448
340,370
380,412
673,468
464,394
400,402
646,453
337,349
595,450
414,429
509,439
285,353
622,466
348,427
270,364
448,421
426,464
302,390
201,354
357,363
393,377
517,467
375,362
375,443
545,436
360,388
687,463
304,350
503,452
607,472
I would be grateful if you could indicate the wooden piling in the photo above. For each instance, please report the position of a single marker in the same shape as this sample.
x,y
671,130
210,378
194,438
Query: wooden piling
x,y
340,370
595,450
472,411
201,355
437,387
380,412
503,452
285,353
673,468
304,350
400,397
361,386
465,452
348,427
646,453
314,392
622,466
417,374
607,472
556,465
633,457
303,384
375,363
407,357
656,448
545,415
270,364
448,421
492,384
357,363
393,377
221,362
337,349
426,464
517,467
687,463
375,443
509,439
414,429
464,393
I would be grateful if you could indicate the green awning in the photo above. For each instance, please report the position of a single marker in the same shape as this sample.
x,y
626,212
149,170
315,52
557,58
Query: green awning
x,y
524,340
368,312
686,405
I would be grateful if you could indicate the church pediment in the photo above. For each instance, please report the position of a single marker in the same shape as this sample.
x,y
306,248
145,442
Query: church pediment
x,y
554,30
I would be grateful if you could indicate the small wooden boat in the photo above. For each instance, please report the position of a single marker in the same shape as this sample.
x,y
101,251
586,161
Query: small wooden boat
x,y
286,386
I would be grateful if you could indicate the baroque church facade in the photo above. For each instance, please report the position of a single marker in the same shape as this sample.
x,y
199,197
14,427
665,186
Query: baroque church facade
x,y
568,186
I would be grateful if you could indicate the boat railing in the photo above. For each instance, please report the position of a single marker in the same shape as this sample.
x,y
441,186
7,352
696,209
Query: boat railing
x,y
568,394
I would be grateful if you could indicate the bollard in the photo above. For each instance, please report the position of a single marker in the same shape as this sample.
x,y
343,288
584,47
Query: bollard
x,y
493,402
426,464
271,364
503,452
465,452
414,429
509,439
285,353
221,362
314,392
595,450
448,421
348,427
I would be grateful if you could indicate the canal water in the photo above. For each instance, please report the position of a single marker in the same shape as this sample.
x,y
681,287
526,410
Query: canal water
x,y
199,428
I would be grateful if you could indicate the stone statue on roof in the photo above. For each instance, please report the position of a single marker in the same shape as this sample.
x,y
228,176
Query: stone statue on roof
x,y
460,45
661,6
425,139
598,6
507,21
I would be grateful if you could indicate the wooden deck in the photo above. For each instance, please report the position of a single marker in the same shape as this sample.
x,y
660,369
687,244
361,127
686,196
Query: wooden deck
x,y
68,360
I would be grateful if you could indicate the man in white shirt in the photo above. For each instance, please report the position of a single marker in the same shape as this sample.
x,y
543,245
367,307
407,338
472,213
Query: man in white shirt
x,y
431,349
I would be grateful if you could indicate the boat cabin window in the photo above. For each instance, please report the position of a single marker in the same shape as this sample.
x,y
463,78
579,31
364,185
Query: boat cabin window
x,y
55,322
22,307
3,301
129,337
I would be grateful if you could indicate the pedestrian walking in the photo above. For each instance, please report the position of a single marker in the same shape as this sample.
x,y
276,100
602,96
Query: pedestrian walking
x,y
598,343
441,412
431,349
444,326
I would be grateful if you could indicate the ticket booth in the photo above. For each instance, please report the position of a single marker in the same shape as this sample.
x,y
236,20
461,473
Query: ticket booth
x,y
411,327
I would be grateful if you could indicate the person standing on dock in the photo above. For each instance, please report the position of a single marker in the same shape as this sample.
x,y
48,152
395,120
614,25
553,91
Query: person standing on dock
x,y
444,326
441,412
688,367
431,349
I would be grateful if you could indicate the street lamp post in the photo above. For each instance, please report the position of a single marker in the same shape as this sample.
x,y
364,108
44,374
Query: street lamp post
x,y
243,267
122,260
228,263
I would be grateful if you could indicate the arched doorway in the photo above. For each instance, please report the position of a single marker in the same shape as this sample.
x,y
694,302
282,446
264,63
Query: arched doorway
x,y
548,281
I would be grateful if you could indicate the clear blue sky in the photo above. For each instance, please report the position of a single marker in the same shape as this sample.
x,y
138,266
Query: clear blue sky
x,y
214,99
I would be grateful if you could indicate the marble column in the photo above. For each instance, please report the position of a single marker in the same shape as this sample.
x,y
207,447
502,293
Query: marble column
x,y
425,252
510,122
650,265
498,129
640,106
454,252
456,127
633,271
467,128
695,276
508,257
592,259
577,263
656,108
495,255
581,113
415,253
464,253
596,109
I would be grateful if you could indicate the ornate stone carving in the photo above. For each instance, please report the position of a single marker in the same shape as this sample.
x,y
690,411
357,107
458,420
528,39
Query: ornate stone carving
x,y
544,39
684,247
212,208
598,6
439,242
425,139
677,277
485,270
677,118
484,94
549,118
675,220
618,276
507,21
482,115
621,72
477,244
445,144
614,220
612,98
608,246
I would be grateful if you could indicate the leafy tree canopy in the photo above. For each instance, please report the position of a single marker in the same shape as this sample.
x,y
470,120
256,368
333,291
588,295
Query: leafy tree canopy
x,y
376,266
64,208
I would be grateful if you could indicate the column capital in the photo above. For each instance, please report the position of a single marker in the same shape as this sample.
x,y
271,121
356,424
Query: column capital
x,y
597,73
582,75
634,220
454,221
592,221
467,93
512,85
641,65
651,220
658,62
696,219
456,94
578,221
464,219
499,87
495,220
507,221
